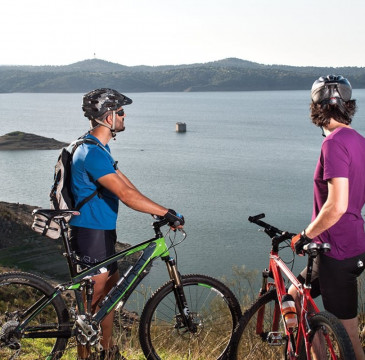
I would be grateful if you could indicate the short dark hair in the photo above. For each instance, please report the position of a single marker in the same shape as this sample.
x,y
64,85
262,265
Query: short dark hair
x,y
100,118
321,114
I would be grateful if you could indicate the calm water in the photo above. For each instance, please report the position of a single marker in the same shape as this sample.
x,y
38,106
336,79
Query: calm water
x,y
243,153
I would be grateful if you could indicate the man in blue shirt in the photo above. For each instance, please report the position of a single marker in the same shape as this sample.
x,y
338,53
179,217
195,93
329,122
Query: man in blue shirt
x,y
93,232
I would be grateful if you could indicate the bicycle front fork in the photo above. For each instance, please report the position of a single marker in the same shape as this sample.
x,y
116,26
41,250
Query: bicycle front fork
x,y
185,318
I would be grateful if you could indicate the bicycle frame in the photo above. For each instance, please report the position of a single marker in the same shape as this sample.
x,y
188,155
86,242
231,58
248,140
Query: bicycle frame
x,y
278,270
151,249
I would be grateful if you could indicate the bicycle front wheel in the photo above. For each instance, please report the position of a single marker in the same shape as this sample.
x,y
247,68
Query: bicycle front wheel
x,y
261,333
19,294
214,311
328,339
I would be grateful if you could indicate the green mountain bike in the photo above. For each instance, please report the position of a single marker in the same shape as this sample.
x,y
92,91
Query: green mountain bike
x,y
189,317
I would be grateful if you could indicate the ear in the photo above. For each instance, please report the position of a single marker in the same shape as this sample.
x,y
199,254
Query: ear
x,y
109,119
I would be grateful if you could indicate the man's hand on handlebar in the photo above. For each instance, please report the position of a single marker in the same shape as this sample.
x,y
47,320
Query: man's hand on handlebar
x,y
176,220
298,242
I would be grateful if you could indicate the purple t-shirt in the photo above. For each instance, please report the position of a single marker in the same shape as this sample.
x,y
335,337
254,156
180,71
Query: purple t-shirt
x,y
342,155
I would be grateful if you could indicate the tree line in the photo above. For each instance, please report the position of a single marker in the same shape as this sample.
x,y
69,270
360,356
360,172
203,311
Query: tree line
x,y
224,75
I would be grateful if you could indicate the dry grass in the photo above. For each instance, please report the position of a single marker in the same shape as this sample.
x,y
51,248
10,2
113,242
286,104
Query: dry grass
x,y
242,282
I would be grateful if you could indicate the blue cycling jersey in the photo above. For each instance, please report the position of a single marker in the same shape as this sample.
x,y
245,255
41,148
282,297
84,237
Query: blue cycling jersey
x,y
89,163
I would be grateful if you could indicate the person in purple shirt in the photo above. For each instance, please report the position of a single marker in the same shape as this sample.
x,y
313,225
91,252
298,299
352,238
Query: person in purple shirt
x,y
339,196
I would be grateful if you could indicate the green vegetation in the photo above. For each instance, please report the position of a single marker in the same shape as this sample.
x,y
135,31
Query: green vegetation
x,y
224,75
17,134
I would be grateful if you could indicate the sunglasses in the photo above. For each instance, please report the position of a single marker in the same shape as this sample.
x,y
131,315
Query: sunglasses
x,y
120,112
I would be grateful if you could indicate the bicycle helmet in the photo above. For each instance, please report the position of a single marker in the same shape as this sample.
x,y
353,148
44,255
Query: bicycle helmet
x,y
97,102
331,89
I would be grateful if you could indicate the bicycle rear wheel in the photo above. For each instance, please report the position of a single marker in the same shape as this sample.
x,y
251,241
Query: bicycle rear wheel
x,y
19,292
329,339
261,333
213,309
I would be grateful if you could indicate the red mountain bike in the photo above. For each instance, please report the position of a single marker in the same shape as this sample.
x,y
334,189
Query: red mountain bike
x,y
271,328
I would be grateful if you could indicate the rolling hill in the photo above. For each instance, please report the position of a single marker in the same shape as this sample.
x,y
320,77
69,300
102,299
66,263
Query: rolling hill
x,y
229,74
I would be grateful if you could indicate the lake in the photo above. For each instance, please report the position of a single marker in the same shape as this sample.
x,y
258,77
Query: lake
x,y
243,153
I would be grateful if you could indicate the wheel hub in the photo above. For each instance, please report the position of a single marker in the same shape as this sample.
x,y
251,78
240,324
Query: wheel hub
x,y
197,324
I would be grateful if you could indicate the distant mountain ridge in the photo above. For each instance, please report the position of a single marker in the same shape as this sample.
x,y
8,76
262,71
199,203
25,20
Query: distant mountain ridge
x,y
229,74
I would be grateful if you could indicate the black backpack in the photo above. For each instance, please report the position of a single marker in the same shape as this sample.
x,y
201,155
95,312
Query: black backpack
x,y
61,196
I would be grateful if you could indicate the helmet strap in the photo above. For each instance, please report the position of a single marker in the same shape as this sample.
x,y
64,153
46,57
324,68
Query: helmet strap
x,y
323,133
111,128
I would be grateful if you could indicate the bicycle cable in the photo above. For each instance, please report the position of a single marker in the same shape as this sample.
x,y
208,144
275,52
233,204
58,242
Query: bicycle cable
x,y
290,263
171,235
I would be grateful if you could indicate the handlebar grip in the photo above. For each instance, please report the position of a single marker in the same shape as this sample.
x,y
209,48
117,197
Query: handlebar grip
x,y
256,217
161,221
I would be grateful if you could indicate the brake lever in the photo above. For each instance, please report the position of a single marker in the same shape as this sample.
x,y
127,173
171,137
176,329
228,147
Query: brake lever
x,y
184,234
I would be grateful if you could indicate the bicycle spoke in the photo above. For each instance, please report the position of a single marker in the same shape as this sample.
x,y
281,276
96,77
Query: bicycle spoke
x,y
37,339
167,334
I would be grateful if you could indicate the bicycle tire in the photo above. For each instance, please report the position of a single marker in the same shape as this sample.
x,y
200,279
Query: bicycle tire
x,y
325,322
19,291
247,344
214,309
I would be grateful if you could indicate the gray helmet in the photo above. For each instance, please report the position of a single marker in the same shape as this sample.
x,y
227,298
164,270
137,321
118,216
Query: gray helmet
x,y
331,89
97,102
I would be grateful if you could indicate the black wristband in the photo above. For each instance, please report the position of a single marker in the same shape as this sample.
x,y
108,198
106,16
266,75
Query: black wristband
x,y
305,237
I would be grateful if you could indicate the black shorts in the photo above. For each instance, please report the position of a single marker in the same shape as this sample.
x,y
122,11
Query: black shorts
x,y
93,246
337,283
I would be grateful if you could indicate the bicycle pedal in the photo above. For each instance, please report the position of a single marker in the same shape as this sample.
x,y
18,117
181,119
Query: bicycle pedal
x,y
276,339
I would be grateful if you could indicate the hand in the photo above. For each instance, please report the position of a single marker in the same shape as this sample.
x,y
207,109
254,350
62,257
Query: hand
x,y
298,242
175,219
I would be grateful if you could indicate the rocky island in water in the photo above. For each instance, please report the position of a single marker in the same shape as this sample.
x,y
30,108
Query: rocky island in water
x,y
18,140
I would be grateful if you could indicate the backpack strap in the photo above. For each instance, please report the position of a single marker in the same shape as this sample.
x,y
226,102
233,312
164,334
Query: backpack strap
x,y
94,142
88,198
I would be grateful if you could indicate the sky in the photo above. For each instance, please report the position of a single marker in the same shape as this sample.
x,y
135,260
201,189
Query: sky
x,y
172,32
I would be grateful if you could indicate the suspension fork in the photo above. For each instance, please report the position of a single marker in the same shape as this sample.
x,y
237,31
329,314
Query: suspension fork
x,y
179,293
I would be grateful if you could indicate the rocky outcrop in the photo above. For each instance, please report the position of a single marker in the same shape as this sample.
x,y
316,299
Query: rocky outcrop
x,y
15,223
22,248
18,140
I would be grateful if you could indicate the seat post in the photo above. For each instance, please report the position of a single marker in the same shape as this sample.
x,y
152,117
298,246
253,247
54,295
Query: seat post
x,y
308,278
66,243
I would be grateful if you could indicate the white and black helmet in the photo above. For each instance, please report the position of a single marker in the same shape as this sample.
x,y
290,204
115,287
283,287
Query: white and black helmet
x,y
97,102
331,89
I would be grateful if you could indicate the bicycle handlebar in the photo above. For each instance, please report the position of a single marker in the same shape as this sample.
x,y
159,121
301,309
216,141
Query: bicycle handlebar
x,y
157,225
269,229
277,236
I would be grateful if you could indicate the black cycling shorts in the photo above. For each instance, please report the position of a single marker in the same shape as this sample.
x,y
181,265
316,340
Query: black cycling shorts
x,y
93,246
337,283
